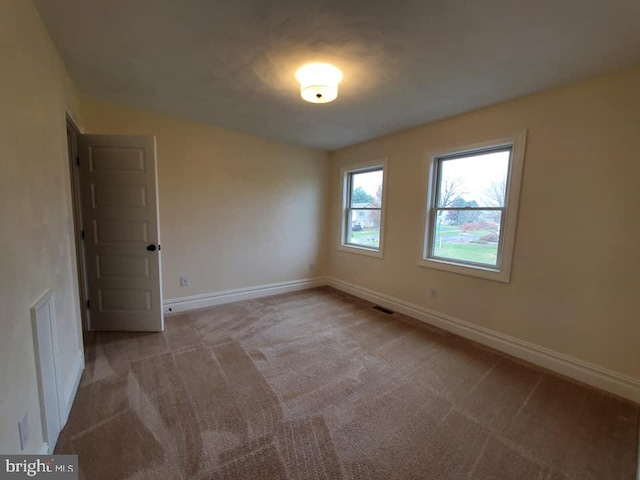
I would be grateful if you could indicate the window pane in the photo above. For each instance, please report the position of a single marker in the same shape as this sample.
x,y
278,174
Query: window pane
x,y
366,189
364,228
477,180
467,236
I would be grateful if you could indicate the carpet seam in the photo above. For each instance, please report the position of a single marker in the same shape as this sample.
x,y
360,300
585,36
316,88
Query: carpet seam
x,y
482,452
486,374
526,401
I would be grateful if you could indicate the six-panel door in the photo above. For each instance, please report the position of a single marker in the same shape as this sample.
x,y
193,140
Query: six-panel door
x,y
120,221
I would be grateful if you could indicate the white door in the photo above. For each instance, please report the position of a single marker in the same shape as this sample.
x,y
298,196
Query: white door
x,y
119,205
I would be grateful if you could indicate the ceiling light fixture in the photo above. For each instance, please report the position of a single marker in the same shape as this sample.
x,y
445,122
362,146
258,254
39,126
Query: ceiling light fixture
x,y
319,82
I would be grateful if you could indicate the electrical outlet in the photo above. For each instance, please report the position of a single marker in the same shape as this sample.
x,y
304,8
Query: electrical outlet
x,y
433,293
23,428
184,281
312,267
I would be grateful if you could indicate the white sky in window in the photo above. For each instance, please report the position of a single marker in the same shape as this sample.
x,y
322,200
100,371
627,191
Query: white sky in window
x,y
476,174
369,181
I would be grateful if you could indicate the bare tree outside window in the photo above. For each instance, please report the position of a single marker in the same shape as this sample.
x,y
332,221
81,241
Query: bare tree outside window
x,y
450,189
495,197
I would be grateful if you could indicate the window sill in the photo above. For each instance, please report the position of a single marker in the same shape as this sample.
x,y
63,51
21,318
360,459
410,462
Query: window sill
x,y
502,276
360,250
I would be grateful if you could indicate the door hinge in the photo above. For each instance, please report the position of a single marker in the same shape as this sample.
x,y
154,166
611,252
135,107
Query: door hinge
x,y
82,234
78,160
88,304
159,247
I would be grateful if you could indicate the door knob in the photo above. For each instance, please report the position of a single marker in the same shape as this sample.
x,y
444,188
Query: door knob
x,y
151,248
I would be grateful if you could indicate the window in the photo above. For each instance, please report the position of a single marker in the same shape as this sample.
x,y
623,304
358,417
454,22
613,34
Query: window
x,y
363,208
471,207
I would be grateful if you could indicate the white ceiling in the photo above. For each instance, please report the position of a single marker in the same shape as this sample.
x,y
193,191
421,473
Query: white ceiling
x,y
232,63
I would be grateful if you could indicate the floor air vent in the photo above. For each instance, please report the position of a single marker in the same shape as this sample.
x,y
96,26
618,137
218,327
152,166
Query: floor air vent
x,y
383,310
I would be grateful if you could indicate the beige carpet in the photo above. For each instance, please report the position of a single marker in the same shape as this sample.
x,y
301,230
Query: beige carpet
x,y
318,385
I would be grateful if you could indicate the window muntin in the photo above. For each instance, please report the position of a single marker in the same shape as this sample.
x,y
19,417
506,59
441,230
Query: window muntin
x,y
469,206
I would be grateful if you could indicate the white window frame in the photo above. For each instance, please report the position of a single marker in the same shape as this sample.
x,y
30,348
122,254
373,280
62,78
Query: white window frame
x,y
501,273
345,175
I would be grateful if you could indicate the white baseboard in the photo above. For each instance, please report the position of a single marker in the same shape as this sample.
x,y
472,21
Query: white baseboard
x,y
72,388
594,375
183,304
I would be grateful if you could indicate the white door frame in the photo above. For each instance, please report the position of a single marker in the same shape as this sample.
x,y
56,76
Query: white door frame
x,y
78,232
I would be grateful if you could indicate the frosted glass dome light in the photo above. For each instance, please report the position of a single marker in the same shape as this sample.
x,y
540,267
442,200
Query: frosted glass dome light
x,y
319,82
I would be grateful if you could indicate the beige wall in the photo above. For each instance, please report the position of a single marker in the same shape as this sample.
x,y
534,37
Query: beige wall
x,y
575,277
35,214
235,210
